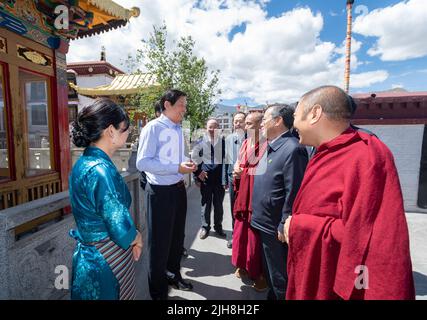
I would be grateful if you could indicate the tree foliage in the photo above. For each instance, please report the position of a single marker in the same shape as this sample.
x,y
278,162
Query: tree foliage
x,y
176,68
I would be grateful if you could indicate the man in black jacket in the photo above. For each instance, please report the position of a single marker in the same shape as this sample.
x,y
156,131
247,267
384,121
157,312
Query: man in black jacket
x,y
209,154
278,178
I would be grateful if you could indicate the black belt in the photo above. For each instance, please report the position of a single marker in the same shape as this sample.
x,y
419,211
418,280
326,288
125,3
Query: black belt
x,y
178,184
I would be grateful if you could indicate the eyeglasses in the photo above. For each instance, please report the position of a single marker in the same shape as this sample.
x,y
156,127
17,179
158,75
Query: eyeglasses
x,y
264,120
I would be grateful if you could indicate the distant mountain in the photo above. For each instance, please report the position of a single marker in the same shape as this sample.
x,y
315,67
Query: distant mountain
x,y
398,89
221,109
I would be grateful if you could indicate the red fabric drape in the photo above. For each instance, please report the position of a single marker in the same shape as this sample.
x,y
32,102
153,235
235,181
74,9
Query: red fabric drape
x,y
246,252
349,215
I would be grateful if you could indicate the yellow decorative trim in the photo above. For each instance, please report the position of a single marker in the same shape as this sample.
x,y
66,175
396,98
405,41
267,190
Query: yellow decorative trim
x,y
122,84
3,45
113,8
33,56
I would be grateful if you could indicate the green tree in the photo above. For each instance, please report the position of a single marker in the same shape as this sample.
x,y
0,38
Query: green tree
x,y
180,69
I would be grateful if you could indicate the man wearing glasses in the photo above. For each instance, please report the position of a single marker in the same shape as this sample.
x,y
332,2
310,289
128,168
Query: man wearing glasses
x,y
276,184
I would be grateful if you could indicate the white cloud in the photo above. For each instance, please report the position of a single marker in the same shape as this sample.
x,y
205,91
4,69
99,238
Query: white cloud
x,y
401,30
367,79
274,59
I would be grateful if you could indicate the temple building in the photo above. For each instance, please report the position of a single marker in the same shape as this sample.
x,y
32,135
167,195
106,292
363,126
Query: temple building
x,y
88,74
34,125
85,85
35,157
399,119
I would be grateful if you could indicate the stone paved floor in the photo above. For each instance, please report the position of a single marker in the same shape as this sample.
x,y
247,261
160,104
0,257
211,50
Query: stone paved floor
x,y
209,263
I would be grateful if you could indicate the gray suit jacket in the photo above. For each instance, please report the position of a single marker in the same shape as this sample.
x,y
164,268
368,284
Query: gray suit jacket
x,y
232,147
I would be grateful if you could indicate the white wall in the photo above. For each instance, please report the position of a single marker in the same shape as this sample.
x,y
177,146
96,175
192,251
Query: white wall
x,y
91,81
405,142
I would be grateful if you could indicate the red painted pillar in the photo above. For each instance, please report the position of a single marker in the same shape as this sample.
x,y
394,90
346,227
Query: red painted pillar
x,y
61,91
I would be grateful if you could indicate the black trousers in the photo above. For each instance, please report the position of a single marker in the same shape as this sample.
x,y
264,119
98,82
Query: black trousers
x,y
275,255
232,198
212,194
166,214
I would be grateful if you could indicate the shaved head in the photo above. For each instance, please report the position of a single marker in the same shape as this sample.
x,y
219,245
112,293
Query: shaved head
x,y
240,114
255,117
212,126
253,124
335,103
212,122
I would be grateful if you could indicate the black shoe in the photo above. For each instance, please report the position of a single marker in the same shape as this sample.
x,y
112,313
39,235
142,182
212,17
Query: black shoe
x,y
180,284
184,253
230,244
203,233
220,233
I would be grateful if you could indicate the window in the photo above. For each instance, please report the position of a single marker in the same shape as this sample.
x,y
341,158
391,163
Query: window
x,y
4,150
35,91
36,98
39,114
38,129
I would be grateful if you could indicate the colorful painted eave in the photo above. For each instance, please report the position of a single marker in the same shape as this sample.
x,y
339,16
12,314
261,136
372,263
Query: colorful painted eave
x,y
86,17
110,7
122,85
37,20
107,15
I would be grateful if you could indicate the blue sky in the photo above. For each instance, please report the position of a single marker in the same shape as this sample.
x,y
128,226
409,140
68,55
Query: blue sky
x,y
276,50
410,74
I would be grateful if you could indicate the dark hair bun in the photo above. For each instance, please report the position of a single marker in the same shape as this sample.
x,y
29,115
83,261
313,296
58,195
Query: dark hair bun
x,y
93,119
79,135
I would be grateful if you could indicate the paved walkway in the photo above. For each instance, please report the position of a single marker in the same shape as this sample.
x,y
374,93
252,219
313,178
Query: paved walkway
x,y
417,223
209,263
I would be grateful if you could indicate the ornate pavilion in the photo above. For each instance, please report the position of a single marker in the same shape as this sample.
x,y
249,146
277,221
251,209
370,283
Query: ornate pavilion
x,y
34,127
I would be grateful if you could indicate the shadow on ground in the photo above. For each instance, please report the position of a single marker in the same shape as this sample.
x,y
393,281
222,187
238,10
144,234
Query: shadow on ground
x,y
215,264
219,292
208,265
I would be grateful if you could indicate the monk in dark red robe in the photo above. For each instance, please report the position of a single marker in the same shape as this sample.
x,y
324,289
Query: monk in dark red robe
x,y
348,235
246,250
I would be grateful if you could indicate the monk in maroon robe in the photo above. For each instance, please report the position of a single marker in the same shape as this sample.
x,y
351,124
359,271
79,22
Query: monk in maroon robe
x,y
348,235
246,250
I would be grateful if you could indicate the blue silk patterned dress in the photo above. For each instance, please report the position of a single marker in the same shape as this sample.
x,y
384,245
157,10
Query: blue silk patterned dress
x,y
100,200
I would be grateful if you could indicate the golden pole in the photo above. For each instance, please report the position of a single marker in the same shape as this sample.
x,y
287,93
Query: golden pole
x,y
348,46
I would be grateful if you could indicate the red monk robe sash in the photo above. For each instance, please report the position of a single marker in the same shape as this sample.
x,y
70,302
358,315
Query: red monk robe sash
x,y
246,250
249,158
348,216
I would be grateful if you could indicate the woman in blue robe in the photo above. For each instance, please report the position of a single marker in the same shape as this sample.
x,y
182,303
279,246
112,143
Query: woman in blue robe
x,y
107,240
